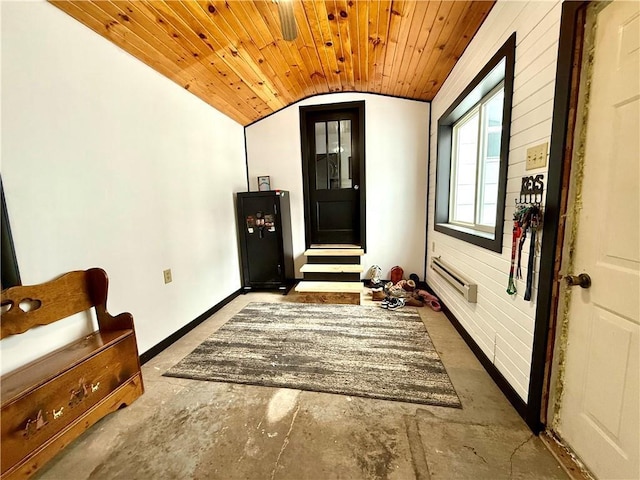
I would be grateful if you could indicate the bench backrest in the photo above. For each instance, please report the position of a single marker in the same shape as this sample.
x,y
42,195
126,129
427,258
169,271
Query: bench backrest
x,y
25,307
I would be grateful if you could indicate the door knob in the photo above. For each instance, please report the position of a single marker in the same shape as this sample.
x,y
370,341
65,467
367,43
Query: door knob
x,y
583,280
356,187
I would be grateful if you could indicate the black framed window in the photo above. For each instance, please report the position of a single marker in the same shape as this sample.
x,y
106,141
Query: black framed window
x,y
473,152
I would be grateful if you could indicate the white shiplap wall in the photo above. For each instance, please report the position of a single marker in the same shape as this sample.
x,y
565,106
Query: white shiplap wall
x,y
501,325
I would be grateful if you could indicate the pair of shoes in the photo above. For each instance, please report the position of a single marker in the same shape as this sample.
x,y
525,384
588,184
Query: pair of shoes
x,y
406,285
394,290
376,286
396,274
413,302
377,296
374,274
403,288
385,302
409,285
395,303
429,299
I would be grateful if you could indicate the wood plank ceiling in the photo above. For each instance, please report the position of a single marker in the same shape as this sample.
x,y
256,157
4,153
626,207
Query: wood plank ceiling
x,y
231,53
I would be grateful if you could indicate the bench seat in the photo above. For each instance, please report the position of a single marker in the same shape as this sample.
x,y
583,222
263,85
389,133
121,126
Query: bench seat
x,y
52,400
45,368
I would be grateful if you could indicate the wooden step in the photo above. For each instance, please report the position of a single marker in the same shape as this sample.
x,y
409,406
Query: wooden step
x,y
329,287
329,292
335,245
331,268
334,252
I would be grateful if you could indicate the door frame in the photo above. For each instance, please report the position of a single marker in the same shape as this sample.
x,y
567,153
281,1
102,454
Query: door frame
x,y
305,112
566,92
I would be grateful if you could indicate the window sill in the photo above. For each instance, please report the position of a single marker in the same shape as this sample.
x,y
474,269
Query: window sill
x,y
468,230
469,235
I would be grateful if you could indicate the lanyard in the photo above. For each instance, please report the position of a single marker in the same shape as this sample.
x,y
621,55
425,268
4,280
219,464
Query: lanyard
x,y
532,251
535,219
523,237
511,288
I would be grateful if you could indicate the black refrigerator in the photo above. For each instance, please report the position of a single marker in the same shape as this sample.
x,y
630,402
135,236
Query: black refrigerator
x,y
264,225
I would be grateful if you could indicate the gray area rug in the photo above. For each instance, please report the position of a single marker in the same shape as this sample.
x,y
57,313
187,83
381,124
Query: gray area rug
x,y
346,349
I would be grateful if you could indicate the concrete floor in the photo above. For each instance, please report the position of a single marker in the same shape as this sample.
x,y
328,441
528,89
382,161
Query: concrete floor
x,y
187,429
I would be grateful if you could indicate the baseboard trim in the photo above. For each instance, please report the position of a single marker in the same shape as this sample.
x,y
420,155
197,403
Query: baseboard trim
x,y
569,462
494,373
366,281
177,335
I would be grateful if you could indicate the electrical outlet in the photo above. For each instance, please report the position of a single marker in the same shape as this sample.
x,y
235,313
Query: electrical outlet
x,y
537,156
167,275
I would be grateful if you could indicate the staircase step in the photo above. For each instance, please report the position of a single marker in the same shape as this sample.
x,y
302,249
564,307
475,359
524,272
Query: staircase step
x,y
329,287
334,252
331,268
334,245
336,260
329,292
331,277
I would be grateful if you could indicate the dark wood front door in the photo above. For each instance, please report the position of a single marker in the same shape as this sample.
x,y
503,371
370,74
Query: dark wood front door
x,y
333,166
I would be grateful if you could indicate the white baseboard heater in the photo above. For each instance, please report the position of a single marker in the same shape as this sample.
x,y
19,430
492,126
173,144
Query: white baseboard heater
x,y
468,289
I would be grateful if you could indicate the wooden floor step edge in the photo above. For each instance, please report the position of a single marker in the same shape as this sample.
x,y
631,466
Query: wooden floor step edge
x,y
331,268
329,287
334,252
335,245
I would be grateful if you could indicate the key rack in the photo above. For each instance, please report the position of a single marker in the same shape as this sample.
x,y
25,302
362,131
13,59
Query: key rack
x,y
527,218
531,189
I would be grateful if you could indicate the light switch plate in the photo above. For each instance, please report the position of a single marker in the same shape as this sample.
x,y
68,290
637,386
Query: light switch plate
x,y
537,156
167,275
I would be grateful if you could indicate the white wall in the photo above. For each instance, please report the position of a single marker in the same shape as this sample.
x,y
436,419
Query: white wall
x,y
107,163
500,324
396,167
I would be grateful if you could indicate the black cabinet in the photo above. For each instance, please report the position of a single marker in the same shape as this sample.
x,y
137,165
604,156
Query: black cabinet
x,y
264,224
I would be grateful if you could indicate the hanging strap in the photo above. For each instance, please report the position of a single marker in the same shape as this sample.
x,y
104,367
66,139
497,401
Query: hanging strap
x,y
511,288
532,254
535,219
520,245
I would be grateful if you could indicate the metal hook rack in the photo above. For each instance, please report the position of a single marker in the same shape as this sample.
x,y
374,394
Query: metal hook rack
x,y
527,217
531,190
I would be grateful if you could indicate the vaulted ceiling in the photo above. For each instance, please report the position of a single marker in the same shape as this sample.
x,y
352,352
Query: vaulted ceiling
x,y
231,53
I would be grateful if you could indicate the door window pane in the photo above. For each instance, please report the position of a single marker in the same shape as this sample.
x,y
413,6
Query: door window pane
x,y
344,151
322,172
321,138
333,155
333,142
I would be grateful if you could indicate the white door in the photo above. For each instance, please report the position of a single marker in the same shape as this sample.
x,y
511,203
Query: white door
x,y
599,415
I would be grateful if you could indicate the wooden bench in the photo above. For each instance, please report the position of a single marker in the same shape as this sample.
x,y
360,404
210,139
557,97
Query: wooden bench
x,y
49,402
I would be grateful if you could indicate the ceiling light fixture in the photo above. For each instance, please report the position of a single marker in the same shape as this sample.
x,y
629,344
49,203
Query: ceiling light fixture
x,y
287,20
